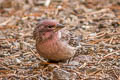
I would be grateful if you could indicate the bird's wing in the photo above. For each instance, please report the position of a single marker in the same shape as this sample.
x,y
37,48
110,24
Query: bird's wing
x,y
71,38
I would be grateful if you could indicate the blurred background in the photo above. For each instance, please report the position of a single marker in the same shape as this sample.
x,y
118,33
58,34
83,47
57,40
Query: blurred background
x,y
95,24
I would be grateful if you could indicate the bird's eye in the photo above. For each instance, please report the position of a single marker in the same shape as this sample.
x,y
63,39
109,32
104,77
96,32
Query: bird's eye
x,y
50,26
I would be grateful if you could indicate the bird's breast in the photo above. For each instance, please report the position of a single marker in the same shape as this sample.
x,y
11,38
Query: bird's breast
x,y
54,49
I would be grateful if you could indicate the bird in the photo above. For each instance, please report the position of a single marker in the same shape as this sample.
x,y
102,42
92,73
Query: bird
x,y
49,43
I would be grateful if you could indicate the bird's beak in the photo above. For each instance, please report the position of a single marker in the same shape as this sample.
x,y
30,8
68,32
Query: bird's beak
x,y
58,27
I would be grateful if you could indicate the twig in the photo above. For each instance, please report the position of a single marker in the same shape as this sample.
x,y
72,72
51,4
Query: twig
x,y
7,21
37,55
82,66
99,11
111,40
108,55
116,74
47,3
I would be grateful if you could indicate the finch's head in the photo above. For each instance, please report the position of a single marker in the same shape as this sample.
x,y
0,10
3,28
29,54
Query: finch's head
x,y
46,29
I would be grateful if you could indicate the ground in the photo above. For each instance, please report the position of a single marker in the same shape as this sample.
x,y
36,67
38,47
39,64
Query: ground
x,y
94,23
